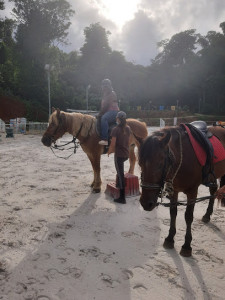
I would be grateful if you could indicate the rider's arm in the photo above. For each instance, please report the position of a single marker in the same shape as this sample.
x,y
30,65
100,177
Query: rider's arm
x,y
112,146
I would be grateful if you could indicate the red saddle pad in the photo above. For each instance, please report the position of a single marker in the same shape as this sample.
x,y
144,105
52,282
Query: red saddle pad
x,y
219,151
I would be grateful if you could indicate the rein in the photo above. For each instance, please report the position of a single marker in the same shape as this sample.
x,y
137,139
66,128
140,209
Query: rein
x,y
184,203
75,147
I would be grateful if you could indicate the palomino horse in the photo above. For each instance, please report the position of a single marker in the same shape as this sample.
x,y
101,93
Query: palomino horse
x,y
167,157
83,127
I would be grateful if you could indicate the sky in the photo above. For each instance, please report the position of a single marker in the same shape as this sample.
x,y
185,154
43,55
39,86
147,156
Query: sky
x,y
137,26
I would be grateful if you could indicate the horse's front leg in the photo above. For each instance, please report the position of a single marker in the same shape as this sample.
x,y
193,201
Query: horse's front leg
x,y
209,211
169,241
132,159
222,183
96,184
186,249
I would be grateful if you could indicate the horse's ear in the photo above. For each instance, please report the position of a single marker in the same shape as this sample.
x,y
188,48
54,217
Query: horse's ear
x,y
62,117
53,109
165,139
58,112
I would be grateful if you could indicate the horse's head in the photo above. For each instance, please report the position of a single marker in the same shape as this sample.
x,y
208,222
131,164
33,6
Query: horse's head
x,y
153,160
56,127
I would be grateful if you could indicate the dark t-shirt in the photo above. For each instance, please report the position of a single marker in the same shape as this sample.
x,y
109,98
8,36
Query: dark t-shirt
x,y
122,141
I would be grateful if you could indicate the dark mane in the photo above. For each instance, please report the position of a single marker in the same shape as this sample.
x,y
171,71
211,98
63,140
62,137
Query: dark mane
x,y
151,143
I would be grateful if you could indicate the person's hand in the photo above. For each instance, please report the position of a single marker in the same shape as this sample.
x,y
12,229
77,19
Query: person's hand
x,y
220,194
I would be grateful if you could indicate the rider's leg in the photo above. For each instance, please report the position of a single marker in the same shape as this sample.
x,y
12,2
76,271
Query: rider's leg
x,y
107,118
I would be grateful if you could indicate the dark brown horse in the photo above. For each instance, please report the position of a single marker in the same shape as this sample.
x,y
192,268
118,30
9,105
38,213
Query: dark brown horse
x,y
83,127
167,157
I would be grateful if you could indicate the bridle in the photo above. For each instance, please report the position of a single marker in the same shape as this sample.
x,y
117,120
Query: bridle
x,y
167,168
165,171
76,144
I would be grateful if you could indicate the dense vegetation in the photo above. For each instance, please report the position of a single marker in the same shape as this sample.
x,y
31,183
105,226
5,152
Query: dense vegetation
x,y
189,70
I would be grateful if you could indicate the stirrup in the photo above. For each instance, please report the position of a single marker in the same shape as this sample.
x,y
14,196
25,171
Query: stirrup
x,y
103,143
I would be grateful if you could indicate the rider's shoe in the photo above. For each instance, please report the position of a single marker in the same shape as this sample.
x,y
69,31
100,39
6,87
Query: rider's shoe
x,y
103,143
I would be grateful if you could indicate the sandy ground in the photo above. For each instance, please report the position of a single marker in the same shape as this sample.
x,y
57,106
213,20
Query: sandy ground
x,y
60,241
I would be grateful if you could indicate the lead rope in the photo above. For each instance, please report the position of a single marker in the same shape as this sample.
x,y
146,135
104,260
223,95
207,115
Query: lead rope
x,y
184,203
168,190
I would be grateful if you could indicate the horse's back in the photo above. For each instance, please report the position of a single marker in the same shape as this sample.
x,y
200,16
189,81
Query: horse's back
x,y
138,128
219,132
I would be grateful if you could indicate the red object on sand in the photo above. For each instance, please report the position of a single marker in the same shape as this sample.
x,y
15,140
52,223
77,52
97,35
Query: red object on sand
x,y
131,187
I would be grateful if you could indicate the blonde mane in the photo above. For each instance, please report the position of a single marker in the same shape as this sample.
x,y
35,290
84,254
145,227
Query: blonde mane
x,y
75,120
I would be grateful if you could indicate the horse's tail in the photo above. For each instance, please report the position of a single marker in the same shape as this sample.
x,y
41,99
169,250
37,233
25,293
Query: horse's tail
x,y
139,130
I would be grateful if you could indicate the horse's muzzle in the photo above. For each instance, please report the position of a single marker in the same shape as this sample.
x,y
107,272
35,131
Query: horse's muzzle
x,y
46,140
148,205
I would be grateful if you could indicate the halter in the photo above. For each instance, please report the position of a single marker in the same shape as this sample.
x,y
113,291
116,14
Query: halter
x,y
166,169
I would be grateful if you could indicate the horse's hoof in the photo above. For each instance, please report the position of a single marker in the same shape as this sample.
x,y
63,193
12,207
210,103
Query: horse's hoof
x,y
186,252
96,191
205,219
168,244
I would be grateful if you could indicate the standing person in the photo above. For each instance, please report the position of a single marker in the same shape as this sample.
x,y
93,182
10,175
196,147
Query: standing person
x,y
120,146
109,109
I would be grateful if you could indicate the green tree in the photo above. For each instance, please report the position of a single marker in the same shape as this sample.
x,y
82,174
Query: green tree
x,y
95,52
7,54
40,25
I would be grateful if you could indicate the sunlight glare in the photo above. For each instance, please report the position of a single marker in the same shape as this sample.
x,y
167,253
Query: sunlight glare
x,y
118,11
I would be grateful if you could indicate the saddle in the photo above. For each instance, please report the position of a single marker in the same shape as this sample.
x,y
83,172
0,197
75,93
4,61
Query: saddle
x,y
98,131
201,134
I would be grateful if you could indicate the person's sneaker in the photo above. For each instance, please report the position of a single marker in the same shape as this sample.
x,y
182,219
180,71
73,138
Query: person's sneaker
x,y
103,143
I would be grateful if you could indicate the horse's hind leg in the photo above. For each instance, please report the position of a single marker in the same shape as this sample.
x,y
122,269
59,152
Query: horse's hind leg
x,y
96,184
132,159
169,241
209,211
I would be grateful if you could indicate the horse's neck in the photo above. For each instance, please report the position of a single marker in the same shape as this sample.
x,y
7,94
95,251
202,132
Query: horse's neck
x,y
177,145
79,124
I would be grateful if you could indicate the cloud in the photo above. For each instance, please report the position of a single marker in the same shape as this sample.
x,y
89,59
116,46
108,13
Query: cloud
x,y
154,21
86,13
178,15
139,38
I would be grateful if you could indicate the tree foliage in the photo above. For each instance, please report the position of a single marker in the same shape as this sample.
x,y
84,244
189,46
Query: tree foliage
x,y
189,69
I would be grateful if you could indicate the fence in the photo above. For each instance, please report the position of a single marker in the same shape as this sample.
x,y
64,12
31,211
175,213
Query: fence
x,y
2,126
28,128
36,127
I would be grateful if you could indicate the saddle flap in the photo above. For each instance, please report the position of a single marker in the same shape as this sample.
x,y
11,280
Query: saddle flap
x,y
98,127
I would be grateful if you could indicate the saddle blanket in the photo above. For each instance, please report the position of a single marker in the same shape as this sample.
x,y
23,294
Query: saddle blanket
x,y
219,151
